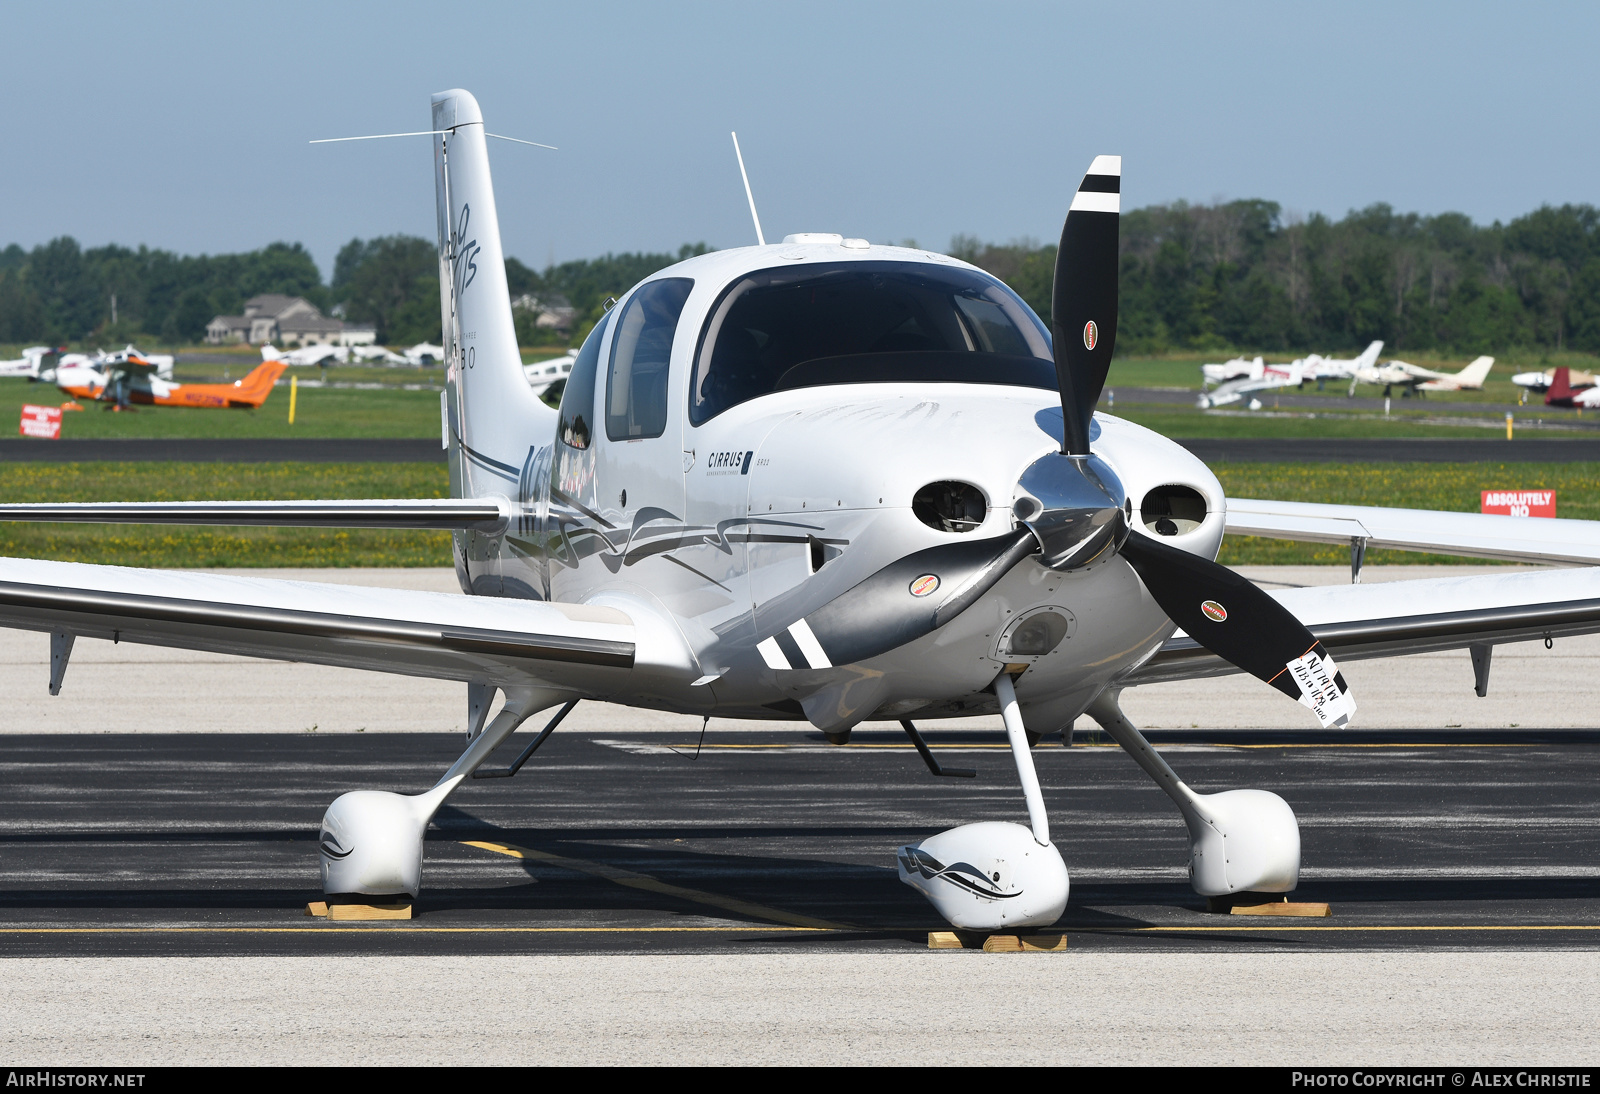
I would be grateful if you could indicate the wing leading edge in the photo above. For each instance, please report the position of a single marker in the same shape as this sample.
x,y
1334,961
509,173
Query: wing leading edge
x,y
591,650
482,514
1472,535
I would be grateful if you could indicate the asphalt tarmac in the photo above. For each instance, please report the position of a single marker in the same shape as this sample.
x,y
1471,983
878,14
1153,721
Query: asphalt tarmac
x,y
621,900
775,841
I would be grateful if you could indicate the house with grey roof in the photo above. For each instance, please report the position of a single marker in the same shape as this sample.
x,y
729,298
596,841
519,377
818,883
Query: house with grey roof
x,y
286,321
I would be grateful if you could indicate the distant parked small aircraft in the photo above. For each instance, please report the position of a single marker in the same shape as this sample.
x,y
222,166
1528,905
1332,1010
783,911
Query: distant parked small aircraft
x,y
122,386
1416,378
1256,375
1271,376
1569,387
128,359
318,354
1239,368
424,353
1540,382
541,374
28,364
379,354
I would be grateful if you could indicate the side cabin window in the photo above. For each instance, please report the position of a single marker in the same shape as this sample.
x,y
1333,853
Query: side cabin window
x,y
577,398
864,322
636,391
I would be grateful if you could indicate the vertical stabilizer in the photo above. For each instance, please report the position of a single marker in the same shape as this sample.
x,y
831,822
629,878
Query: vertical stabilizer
x,y
1476,373
1560,393
1369,356
493,415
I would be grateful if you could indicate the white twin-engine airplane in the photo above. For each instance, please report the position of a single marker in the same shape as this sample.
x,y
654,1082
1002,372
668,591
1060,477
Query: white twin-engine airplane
x,y
824,482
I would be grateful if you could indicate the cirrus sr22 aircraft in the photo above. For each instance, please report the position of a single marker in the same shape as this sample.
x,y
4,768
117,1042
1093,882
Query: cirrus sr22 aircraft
x,y
821,482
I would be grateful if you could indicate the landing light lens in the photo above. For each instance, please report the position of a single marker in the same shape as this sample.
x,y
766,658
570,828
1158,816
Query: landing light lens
x,y
1037,635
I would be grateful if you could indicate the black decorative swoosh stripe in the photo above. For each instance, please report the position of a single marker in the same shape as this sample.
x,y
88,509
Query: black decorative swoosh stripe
x,y
330,847
963,875
1101,184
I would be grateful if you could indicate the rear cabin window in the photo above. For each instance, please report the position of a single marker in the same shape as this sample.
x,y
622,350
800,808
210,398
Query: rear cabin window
x,y
577,398
636,391
864,322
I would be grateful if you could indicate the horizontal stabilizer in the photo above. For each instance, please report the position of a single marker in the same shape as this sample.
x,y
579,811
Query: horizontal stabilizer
x,y
483,514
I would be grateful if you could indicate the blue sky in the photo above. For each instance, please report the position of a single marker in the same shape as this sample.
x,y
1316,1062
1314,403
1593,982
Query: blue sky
x,y
185,126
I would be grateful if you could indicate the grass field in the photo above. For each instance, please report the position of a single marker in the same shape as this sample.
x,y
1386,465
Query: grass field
x,y
1184,372
319,412
1190,422
1418,486
1448,486
191,547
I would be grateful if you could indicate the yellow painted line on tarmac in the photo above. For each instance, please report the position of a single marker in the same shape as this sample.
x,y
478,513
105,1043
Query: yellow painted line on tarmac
x,y
689,747
1287,927
653,885
345,927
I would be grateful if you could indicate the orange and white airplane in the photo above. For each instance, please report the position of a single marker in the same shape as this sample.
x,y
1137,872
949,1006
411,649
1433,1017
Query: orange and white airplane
x,y
132,382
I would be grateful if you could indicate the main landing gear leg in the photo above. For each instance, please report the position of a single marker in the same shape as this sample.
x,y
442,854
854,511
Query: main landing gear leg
x,y
1239,840
372,840
994,875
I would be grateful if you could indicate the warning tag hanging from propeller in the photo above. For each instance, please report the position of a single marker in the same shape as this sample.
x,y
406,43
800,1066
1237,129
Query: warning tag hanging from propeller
x,y
1322,687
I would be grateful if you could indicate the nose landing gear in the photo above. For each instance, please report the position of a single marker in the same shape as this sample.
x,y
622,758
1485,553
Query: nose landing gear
x,y
994,875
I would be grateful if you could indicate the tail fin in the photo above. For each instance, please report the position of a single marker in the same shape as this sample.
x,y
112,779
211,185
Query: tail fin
x,y
1560,393
255,387
491,412
1476,373
1369,356
270,353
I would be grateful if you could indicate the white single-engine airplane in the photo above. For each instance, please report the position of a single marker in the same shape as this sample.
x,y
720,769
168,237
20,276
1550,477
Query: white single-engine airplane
x,y
318,354
1415,378
28,364
820,481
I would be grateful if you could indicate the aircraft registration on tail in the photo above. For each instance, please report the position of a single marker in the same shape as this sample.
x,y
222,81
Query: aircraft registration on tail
x,y
821,482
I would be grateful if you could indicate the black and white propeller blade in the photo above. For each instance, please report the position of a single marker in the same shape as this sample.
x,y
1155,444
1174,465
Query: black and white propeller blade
x,y
1083,312
1235,620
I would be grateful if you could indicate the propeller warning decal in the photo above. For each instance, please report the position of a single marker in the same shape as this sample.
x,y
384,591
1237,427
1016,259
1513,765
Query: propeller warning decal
x,y
924,585
1214,611
1091,334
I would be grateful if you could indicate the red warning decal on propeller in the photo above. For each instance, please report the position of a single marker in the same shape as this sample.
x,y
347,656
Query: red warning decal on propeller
x,y
1091,334
924,585
1214,611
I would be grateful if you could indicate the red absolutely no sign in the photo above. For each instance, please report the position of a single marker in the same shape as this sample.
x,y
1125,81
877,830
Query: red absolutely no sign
x,y
1520,503
40,421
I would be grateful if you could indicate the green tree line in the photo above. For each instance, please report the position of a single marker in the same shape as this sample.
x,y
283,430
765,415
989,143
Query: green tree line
x,y
1236,274
1241,274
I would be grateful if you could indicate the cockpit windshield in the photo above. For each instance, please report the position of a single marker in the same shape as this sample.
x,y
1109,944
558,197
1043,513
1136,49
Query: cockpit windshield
x,y
864,322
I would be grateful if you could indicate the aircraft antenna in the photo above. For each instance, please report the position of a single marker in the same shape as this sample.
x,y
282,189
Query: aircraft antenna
x,y
760,239
429,133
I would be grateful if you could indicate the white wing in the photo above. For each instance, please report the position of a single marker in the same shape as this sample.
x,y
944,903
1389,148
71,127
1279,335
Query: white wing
x,y
1474,535
483,514
591,650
